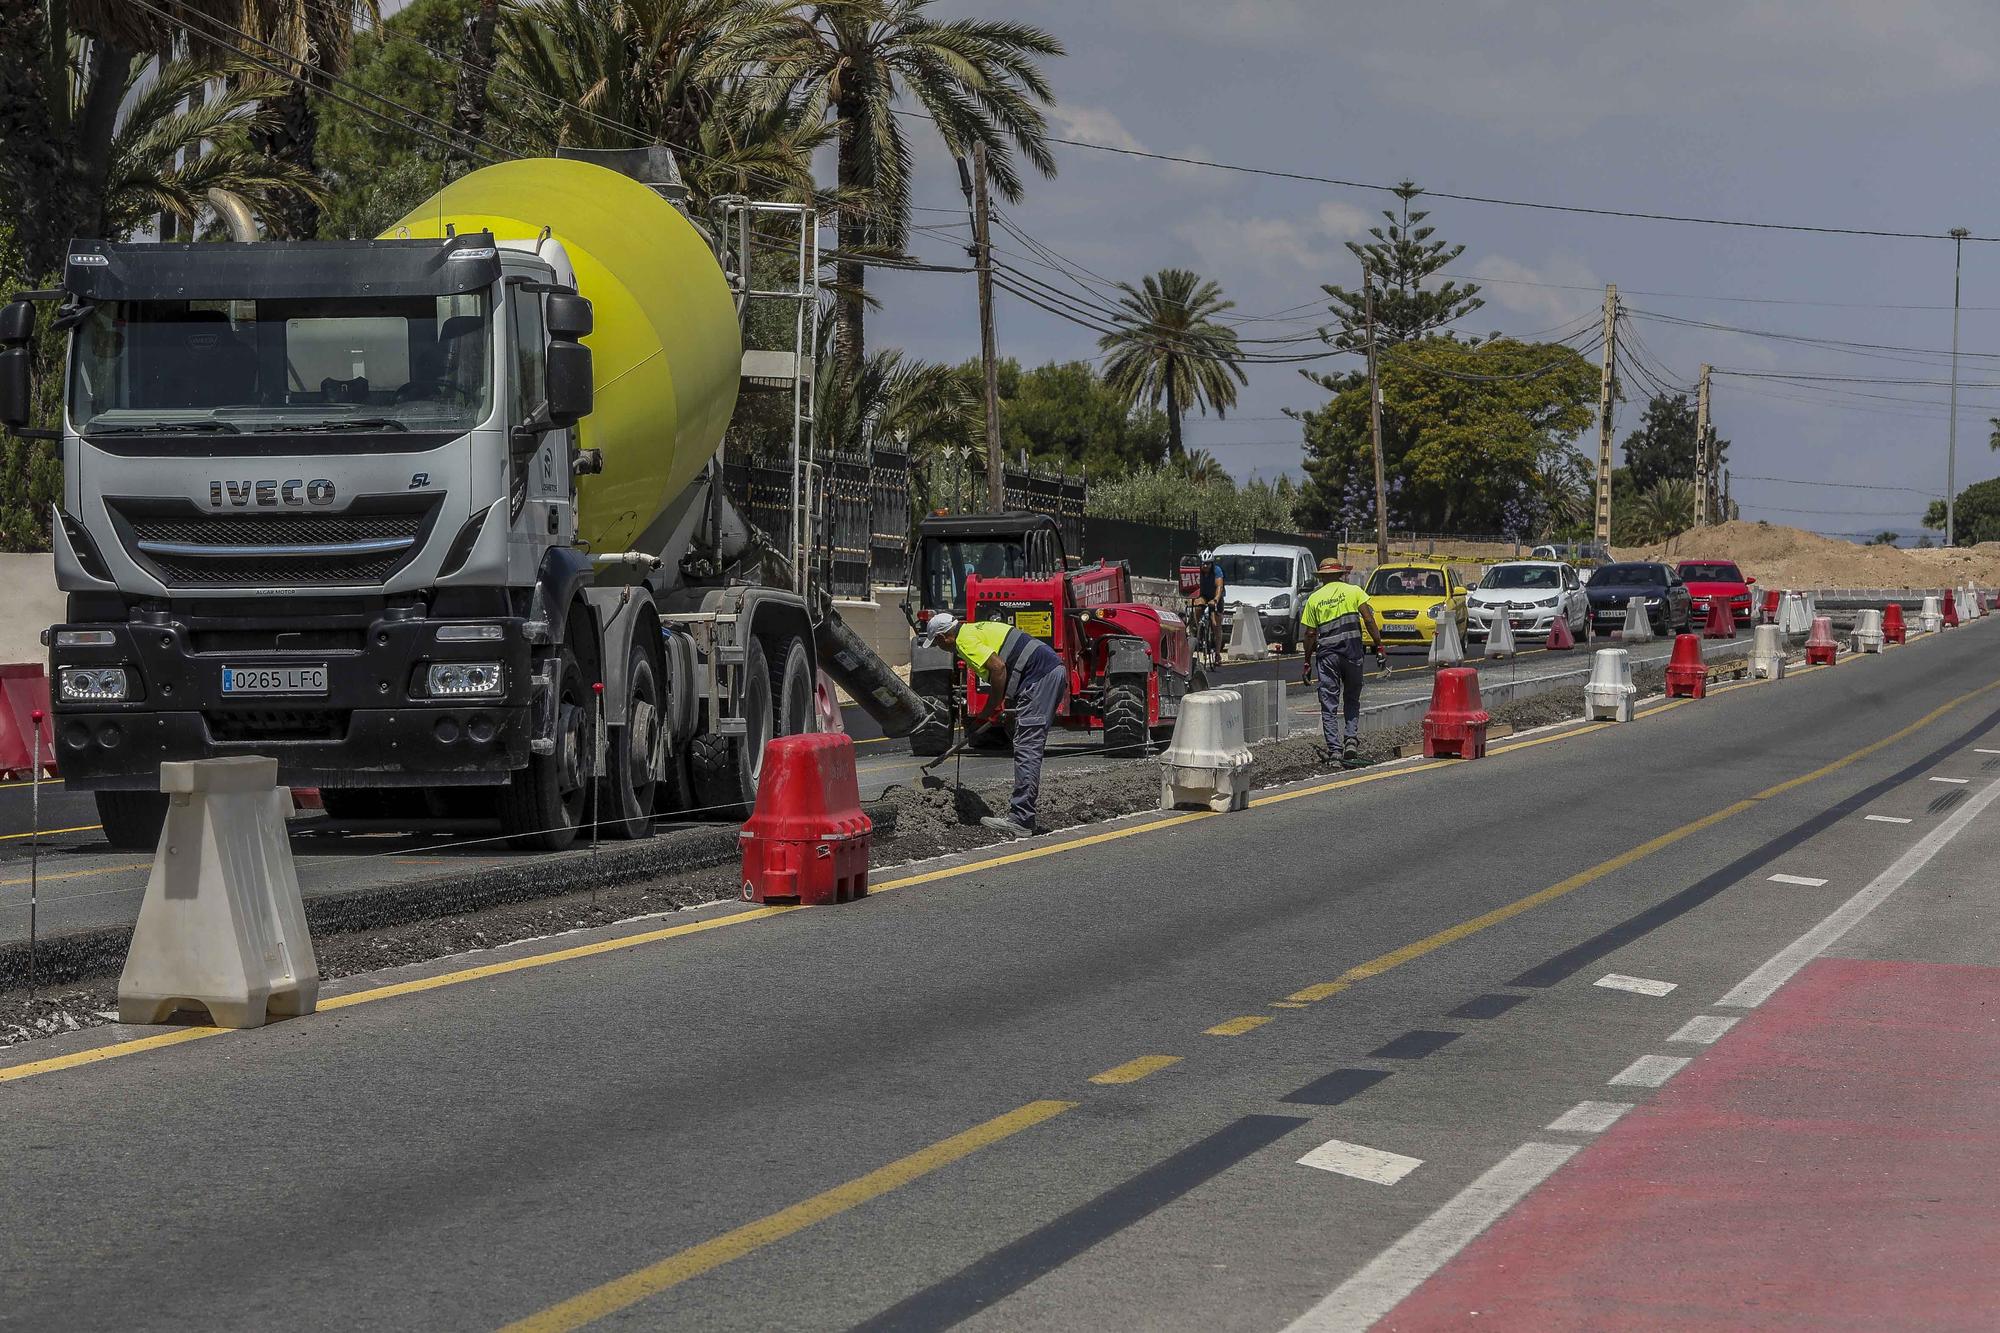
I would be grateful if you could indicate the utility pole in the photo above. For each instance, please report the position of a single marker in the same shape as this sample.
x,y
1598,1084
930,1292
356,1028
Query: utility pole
x,y
1375,423
1704,466
996,481
1727,512
1958,235
1604,414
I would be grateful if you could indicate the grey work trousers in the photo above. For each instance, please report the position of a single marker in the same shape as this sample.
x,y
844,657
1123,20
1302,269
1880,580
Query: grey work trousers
x,y
1035,701
1339,678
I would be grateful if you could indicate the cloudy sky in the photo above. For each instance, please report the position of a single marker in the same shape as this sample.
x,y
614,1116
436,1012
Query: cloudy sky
x,y
1845,113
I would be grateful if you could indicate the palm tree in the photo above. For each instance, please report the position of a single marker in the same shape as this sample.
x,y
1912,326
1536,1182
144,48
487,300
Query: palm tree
x,y
1201,468
1667,510
976,80
1169,350
171,148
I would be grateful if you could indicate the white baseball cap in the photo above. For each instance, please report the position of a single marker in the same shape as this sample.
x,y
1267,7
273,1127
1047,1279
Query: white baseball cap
x,y
941,622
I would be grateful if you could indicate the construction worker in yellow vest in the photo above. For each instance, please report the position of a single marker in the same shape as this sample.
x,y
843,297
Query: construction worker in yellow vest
x,y
1334,617
1019,668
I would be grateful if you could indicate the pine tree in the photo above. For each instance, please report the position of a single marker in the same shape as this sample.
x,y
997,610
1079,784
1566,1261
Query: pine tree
x,y
1402,256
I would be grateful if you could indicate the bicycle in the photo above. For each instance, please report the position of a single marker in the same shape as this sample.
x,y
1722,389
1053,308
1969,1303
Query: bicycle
x,y
1205,635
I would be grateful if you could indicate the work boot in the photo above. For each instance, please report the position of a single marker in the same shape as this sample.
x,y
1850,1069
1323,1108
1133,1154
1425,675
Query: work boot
x,y
1350,753
1005,827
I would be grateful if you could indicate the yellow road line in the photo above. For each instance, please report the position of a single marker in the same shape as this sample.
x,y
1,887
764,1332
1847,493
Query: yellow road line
x,y
111,1052
1134,1070
46,782
77,874
52,832
622,1293
1236,1027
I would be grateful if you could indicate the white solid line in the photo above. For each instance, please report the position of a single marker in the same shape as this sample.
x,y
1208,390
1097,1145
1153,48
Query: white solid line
x,y
1886,819
1703,1028
1956,782
1760,985
1399,1270
1589,1117
1637,985
1361,1162
1648,1071
1977,750
1804,881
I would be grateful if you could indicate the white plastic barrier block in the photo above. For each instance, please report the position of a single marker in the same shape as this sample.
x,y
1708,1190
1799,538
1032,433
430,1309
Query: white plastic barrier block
x,y
1208,763
1610,692
1931,619
1500,636
1767,653
1246,636
1868,632
222,925
1260,715
1447,649
1794,614
1638,626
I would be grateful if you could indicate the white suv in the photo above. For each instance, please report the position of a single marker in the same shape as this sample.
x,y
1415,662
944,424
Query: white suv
x,y
1533,595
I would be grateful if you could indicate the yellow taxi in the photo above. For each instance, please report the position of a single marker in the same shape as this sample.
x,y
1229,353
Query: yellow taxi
x,y
1411,596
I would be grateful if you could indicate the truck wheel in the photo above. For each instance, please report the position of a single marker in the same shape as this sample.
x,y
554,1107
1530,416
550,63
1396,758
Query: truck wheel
x,y
1125,716
625,795
724,769
792,711
132,819
935,733
542,808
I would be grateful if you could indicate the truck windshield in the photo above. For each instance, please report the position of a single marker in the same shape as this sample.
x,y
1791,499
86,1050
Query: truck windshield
x,y
1256,571
361,364
948,563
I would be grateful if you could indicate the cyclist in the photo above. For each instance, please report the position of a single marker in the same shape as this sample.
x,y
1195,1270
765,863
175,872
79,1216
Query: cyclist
x,y
1209,592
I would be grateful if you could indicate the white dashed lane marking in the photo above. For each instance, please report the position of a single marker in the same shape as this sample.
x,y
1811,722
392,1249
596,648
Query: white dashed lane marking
x,y
1803,881
1589,1117
1637,985
1704,1028
1886,819
1956,782
1648,1071
1361,1162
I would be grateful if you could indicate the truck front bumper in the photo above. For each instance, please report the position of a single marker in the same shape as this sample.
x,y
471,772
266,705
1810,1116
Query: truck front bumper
x,y
375,725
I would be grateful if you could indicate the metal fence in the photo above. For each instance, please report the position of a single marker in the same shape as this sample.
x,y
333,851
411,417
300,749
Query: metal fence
x,y
1154,550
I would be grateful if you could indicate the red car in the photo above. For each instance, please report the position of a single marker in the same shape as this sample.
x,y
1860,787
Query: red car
x,y
1710,580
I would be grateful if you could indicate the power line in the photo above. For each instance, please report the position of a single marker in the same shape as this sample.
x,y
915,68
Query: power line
x,y
1838,485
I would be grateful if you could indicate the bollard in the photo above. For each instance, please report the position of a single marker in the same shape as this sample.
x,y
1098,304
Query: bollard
x,y
1767,653
1246,636
1500,636
1638,624
1208,763
1447,650
1931,618
1687,673
806,841
1948,616
222,926
1820,647
1868,632
1721,621
1560,639
1893,630
1609,695
1455,726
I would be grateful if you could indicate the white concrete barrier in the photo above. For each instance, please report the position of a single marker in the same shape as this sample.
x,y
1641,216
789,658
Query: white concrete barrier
x,y
222,925
1638,625
1263,705
1608,695
1500,636
1208,763
1868,631
1447,649
1246,636
1767,653
1931,619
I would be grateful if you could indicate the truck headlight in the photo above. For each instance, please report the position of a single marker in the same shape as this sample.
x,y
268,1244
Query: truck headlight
x,y
465,680
93,684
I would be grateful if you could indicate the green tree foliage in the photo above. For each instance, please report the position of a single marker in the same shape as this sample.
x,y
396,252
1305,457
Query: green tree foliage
x,y
1663,446
1064,415
1475,438
1666,510
1976,515
1885,539
851,62
1170,350
1219,508
30,470
1403,256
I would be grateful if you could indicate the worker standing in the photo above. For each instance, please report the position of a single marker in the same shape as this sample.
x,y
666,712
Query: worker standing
x,y
1016,667
1334,617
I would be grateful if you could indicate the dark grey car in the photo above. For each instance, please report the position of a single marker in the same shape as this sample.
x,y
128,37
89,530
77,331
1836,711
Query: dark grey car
x,y
1612,587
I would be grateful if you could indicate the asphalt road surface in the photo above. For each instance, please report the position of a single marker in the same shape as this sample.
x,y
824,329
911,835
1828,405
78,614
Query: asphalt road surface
x,y
83,882
1674,1023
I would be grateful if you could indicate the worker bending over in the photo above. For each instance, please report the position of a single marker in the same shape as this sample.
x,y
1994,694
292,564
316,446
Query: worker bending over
x,y
1019,668
1334,617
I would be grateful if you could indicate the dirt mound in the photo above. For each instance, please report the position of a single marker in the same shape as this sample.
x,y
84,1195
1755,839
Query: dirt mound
x,y
1791,558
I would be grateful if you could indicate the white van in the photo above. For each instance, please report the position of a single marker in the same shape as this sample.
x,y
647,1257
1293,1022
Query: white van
x,y
1272,580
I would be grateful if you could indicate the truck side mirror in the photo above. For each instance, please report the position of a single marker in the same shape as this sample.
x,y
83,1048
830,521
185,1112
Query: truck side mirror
x,y
568,317
570,395
17,355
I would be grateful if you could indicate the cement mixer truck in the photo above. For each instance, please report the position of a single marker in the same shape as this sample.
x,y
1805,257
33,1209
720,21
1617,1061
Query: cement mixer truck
x,y
441,513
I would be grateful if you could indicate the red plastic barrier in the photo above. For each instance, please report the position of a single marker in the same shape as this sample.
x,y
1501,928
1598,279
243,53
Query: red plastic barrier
x,y
24,692
1771,598
1560,639
1721,620
1455,727
1893,629
1687,673
1950,610
807,841
1821,650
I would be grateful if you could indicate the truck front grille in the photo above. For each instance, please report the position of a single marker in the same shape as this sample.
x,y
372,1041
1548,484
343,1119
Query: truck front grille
x,y
188,548
261,725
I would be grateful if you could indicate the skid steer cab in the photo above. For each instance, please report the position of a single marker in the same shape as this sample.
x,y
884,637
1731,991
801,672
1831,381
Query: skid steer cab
x,y
1128,663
